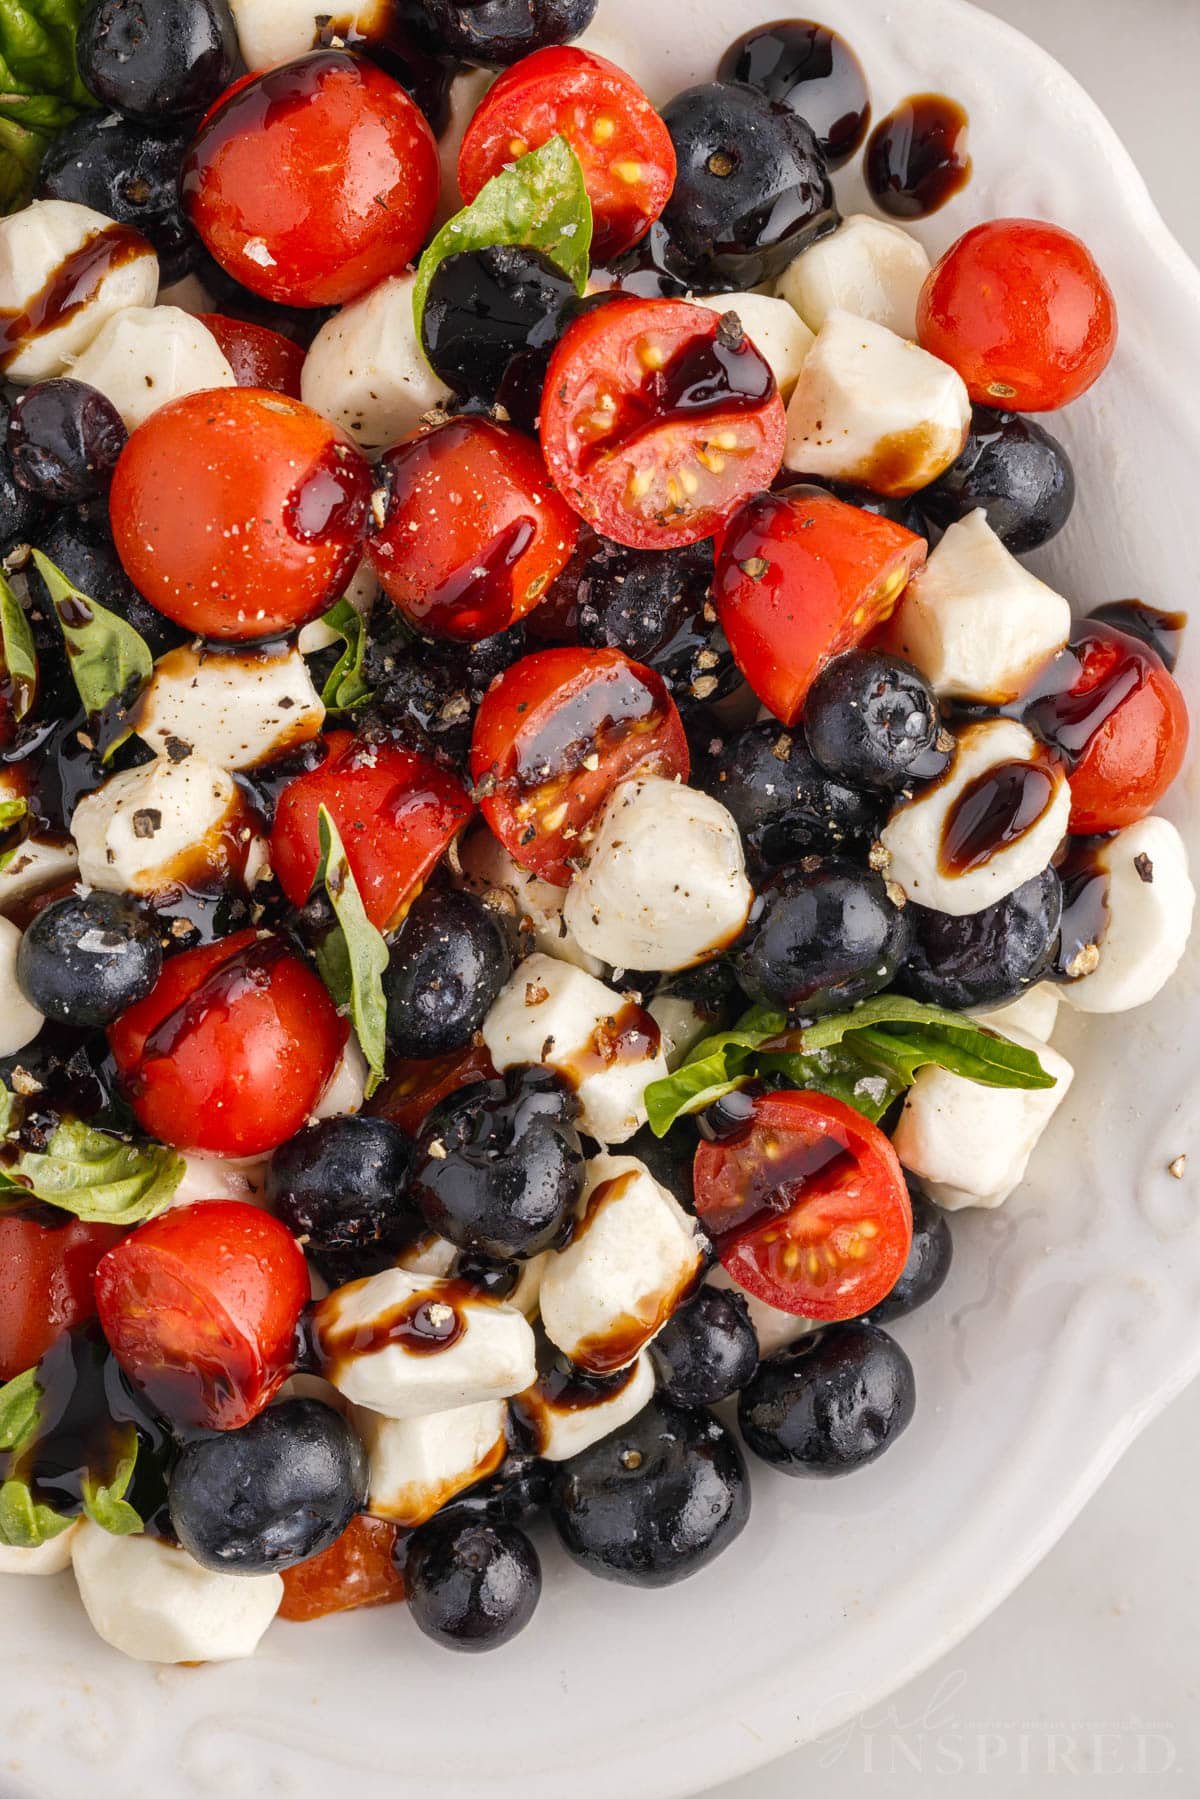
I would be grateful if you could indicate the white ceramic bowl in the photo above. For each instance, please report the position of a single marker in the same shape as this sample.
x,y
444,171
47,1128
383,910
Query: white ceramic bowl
x,y
1070,1317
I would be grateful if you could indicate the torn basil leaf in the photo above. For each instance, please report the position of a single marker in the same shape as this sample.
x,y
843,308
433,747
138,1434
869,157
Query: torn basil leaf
x,y
110,662
353,958
97,1177
344,688
18,657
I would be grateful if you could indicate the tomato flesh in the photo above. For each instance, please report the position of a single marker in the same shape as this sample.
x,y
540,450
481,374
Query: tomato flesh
x,y
808,1205
258,356
47,1270
411,1088
658,419
358,1570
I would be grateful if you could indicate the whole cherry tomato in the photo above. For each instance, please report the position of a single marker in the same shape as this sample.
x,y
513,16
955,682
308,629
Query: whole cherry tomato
x,y
258,356
47,1269
358,1570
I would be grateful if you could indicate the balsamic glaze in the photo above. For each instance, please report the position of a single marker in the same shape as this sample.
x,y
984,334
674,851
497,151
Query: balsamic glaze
x,y
247,970
68,288
593,721
629,1036
814,71
992,812
1085,909
426,1323
1080,689
1163,631
917,157
723,374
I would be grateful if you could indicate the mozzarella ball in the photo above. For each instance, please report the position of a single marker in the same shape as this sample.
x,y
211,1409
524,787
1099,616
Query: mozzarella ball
x,y
19,1021
777,332
41,244
362,593
417,1464
234,708
977,624
1149,902
189,294
872,408
633,1257
775,1329
132,833
562,1424
347,1088
969,1145
366,370
466,94
552,1013
665,882
535,906
915,834
51,1557
1034,1012
147,355
221,1177
271,31
868,266
154,1603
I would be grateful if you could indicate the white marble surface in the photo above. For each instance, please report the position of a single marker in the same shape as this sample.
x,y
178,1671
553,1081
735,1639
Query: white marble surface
x,y
1089,1675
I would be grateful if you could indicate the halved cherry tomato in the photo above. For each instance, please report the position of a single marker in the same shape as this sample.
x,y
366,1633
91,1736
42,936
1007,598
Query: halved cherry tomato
x,y
801,577
554,735
47,1270
1021,310
412,1088
624,148
658,419
396,812
258,356
312,182
1118,718
232,1049
474,533
808,1205
240,513
358,1570
200,1307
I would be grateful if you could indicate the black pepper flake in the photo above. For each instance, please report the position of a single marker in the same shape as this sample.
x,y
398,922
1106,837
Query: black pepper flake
x,y
146,821
177,750
1145,868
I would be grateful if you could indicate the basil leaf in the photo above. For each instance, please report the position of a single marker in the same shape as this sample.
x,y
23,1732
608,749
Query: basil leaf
x,y
540,202
352,968
12,811
109,662
23,1524
99,1178
40,87
20,1399
104,1502
18,657
345,689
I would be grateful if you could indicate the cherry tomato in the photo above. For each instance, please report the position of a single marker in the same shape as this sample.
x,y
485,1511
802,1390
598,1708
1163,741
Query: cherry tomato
x,y
47,1269
801,577
554,735
624,148
1021,310
474,533
396,811
657,420
357,1570
808,1205
239,512
314,181
413,1087
232,1049
1118,718
258,356
200,1307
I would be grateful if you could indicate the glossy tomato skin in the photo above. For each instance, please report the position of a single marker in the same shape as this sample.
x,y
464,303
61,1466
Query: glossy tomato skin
x,y
314,181
240,513
200,1307
800,578
808,1205
47,1270
358,1570
474,533
658,420
1021,310
232,1049
396,811
258,356
413,1086
624,148
540,726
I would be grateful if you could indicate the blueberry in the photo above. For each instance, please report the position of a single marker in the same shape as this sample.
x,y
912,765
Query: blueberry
x,y
486,307
495,33
786,806
669,1159
821,938
157,59
988,957
129,172
653,605
831,1403
85,960
342,1184
752,190
1020,475
903,511
80,545
707,1350
501,1165
272,1494
425,695
64,439
471,1585
20,511
656,1500
515,1493
928,1261
447,964
873,720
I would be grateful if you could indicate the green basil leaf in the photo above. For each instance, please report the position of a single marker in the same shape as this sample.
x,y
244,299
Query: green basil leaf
x,y
109,662
99,1178
18,657
345,689
353,969
104,1502
540,202
12,812
40,87
841,1073
20,1399
25,1524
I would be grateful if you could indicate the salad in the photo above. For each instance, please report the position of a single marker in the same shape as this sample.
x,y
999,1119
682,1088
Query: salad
x,y
545,821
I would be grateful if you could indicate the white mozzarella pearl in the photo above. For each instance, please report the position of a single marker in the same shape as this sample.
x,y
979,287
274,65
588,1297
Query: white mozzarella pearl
x,y
189,803
1149,904
536,905
19,1021
51,1557
208,1177
154,1603
417,1464
561,1431
146,356
366,371
466,95
234,708
776,330
36,244
271,31
347,1087
36,864
868,266
775,1329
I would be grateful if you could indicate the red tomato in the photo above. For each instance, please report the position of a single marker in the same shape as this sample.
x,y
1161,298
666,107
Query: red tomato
x,y
554,735
239,512
47,1267
657,421
312,182
625,150
474,532
201,1305
412,1088
357,1570
801,577
1021,310
1118,718
258,357
808,1205
232,1049
396,811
